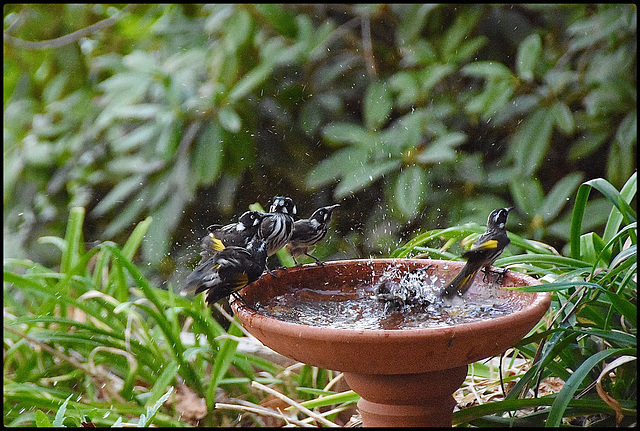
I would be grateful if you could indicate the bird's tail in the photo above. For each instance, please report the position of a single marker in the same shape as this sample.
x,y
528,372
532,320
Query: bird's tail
x,y
461,283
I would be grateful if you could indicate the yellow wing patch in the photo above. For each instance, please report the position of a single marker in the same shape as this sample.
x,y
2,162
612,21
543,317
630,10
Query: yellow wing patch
x,y
240,281
216,244
488,245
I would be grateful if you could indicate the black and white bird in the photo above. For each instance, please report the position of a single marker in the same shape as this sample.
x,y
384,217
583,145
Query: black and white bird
x,y
483,252
276,227
235,234
309,232
227,271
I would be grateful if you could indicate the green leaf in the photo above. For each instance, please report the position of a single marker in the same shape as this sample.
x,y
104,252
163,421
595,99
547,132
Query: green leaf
x,y
137,137
570,387
208,155
559,195
528,55
346,397
118,194
229,119
627,133
587,144
55,88
135,239
579,207
460,30
412,22
335,166
279,17
361,177
147,418
73,240
377,105
625,307
237,29
59,419
42,420
469,48
495,95
488,70
527,194
434,74
591,245
164,380
627,193
441,149
226,351
405,85
410,191
563,117
404,133
531,141
347,133
250,81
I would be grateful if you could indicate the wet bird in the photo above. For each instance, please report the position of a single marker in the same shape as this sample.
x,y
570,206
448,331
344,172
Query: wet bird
x,y
483,252
235,234
276,227
309,232
227,271
405,293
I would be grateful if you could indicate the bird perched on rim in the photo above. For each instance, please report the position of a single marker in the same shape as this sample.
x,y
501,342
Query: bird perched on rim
x,y
235,234
276,227
309,232
483,252
227,271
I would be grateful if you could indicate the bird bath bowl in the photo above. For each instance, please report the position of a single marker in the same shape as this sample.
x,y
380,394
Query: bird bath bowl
x,y
405,377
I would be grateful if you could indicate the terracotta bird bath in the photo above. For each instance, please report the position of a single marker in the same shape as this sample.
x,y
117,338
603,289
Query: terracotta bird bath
x,y
405,377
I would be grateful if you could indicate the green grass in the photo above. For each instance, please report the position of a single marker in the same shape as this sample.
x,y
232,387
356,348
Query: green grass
x,y
93,340
96,340
592,320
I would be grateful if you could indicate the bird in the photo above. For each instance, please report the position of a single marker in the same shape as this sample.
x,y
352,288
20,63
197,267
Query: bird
x,y
483,253
276,227
309,232
234,234
405,293
227,271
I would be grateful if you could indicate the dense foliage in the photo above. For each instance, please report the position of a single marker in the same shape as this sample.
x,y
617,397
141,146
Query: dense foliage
x,y
417,119
412,116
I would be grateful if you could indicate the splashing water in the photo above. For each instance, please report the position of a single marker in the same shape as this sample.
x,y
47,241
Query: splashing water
x,y
396,300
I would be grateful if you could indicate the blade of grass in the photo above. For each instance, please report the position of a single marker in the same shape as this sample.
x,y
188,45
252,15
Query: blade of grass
x,y
224,357
610,192
627,193
73,239
571,385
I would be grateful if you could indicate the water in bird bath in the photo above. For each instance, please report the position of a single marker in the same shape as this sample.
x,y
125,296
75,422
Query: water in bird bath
x,y
392,299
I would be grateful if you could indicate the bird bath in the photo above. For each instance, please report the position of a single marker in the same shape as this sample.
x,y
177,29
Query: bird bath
x,y
405,377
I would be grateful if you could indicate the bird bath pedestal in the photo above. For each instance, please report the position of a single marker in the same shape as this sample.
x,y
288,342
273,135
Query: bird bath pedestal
x,y
405,377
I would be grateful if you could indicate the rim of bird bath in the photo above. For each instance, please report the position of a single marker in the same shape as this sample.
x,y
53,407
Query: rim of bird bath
x,y
405,377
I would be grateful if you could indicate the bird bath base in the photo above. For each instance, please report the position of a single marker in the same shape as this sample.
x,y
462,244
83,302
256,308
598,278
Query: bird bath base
x,y
405,377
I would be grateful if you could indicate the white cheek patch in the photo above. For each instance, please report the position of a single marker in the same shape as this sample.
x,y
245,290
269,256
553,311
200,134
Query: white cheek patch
x,y
239,227
315,223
